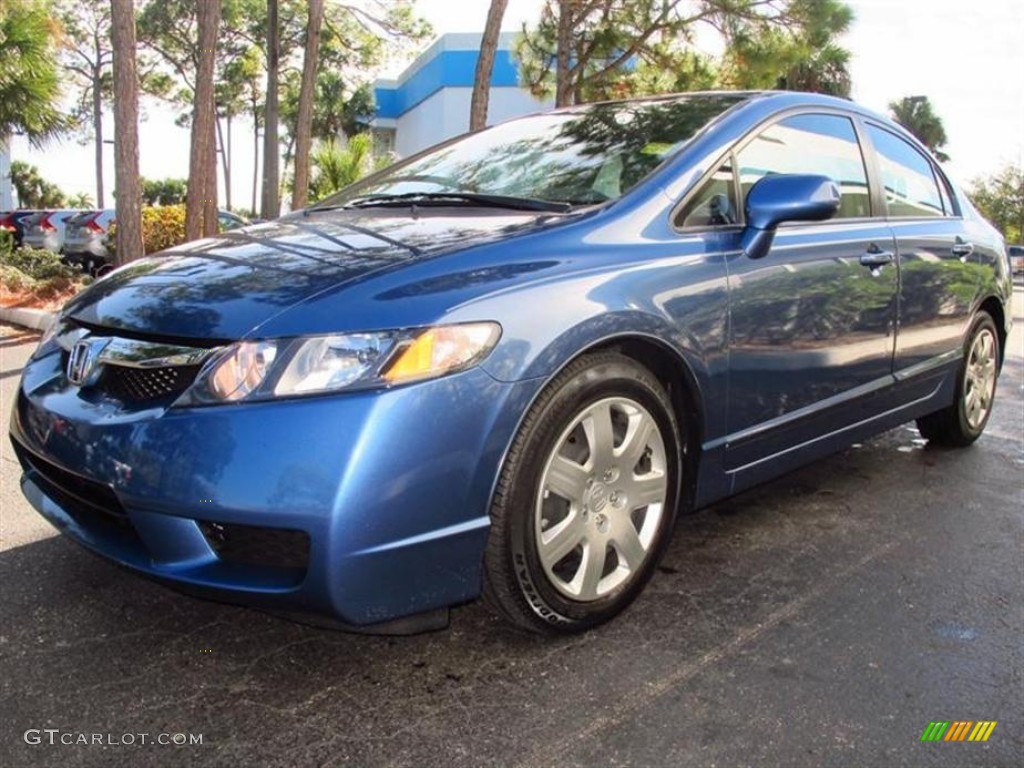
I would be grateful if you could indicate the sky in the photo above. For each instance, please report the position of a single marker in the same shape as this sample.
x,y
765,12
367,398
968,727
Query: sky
x,y
967,57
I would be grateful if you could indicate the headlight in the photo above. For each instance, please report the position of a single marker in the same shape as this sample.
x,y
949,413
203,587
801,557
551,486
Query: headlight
x,y
262,370
48,342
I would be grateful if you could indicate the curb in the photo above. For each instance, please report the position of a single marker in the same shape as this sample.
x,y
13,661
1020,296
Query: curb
x,y
36,319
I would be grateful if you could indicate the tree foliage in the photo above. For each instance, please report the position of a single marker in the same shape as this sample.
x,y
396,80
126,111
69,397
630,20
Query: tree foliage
x,y
30,83
589,50
1000,198
335,166
163,191
32,189
87,56
915,113
799,53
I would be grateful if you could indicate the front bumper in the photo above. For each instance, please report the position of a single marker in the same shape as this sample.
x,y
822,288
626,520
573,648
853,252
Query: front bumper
x,y
385,494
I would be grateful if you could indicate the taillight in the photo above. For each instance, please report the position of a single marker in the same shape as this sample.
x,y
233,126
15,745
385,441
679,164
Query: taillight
x,y
93,227
7,223
45,224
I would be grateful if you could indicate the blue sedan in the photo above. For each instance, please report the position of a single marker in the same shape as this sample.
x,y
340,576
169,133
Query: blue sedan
x,y
505,365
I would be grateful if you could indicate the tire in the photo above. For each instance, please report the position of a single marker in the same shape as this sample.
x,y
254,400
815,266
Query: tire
x,y
562,485
962,423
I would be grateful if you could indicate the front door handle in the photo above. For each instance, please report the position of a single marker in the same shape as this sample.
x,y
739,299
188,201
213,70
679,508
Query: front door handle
x,y
876,258
962,249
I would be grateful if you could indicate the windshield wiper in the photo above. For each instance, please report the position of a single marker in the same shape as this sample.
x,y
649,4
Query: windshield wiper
x,y
452,198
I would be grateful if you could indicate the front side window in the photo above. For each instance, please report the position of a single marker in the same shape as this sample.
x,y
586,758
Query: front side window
x,y
810,144
907,175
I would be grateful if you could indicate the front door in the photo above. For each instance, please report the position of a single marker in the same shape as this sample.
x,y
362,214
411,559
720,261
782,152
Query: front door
x,y
812,324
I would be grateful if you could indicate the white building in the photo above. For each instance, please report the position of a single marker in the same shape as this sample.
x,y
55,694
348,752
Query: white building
x,y
6,198
429,102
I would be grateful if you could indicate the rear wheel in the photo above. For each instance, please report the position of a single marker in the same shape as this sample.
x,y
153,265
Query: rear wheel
x,y
586,499
963,422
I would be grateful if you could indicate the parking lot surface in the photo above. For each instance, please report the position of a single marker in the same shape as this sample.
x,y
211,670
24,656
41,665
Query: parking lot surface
x,y
822,620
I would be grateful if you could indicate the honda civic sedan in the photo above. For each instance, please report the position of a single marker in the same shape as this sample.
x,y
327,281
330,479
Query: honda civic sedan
x,y
504,366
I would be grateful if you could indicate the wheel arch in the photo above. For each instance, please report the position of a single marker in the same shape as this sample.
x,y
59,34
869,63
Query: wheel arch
x,y
672,370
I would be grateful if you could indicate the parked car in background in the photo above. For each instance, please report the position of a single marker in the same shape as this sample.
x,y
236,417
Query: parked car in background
x,y
504,365
228,220
1016,253
14,222
86,240
46,229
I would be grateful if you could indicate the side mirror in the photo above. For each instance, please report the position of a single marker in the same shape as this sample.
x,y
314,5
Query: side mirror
x,y
777,199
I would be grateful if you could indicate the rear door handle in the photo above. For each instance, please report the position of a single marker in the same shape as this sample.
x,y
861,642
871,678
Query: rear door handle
x,y
876,258
962,249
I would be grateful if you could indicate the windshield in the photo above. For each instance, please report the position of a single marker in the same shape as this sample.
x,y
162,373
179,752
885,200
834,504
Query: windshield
x,y
588,155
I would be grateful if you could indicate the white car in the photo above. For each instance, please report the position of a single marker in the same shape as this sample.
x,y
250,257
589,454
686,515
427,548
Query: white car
x,y
1016,254
46,229
86,240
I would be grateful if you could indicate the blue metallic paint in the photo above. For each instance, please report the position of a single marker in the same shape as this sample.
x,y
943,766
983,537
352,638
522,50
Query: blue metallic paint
x,y
394,486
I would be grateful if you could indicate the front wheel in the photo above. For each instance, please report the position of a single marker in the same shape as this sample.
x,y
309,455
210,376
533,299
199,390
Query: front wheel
x,y
963,422
586,499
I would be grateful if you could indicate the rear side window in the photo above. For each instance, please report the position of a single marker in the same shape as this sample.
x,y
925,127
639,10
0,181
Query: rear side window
x,y
907,175
815,144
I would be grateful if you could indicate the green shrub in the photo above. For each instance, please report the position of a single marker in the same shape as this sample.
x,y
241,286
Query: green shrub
x,y
40,274
14,280
39,264
6,242
163,226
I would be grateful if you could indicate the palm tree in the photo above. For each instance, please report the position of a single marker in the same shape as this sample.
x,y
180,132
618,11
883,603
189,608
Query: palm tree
x,y
30,89
915,113
336,166
80,200
304,122
485,66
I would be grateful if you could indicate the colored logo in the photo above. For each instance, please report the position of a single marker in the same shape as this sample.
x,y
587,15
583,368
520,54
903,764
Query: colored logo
x,y
958,730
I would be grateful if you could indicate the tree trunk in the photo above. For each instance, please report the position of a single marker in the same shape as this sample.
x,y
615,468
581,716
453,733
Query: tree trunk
x,y
126,132
225,160
97,128
255,161
563,74
485,66
271,207
304,122
201,202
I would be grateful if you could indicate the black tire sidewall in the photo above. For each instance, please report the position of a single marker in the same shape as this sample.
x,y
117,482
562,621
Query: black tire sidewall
x,y
595,383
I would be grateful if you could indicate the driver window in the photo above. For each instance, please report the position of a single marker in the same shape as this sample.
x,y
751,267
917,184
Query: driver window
x,y
714,205
814,144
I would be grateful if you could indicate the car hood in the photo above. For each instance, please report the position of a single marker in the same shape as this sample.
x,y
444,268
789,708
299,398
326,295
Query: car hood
x,y
223,288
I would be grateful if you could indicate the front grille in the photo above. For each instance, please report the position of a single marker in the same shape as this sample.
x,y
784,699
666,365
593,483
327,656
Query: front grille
x,y
143,385
89,503
255,545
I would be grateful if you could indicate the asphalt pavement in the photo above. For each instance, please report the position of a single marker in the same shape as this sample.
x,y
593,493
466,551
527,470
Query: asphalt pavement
x,y
822,620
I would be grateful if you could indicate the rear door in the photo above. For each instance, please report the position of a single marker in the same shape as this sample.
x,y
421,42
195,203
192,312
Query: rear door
x,y
812,324
940,272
